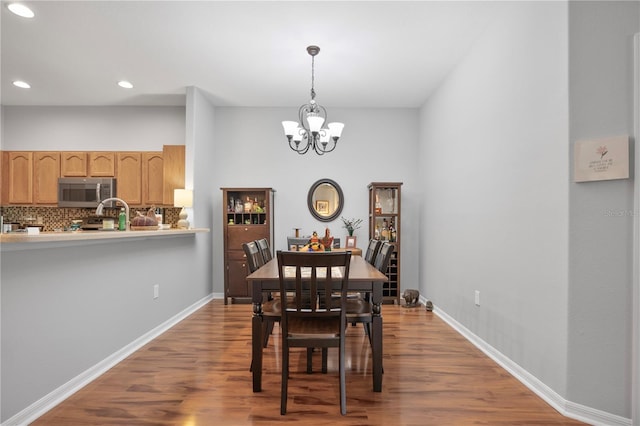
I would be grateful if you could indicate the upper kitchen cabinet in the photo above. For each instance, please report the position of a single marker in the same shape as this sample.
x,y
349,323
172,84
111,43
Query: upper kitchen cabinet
x,y
173,170
152,178
102,164
46,171
129,176
144,178
74,164
17,177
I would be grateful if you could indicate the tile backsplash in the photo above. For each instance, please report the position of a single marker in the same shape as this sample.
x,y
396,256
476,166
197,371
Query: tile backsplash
x,y
56,218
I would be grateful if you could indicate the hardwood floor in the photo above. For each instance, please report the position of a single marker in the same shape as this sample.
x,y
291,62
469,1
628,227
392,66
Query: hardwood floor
x,y
197,373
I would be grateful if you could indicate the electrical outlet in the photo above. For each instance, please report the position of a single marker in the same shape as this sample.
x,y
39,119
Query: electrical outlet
x,y
156,291
477,297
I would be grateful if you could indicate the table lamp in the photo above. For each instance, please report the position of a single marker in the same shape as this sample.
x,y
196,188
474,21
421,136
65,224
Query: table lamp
x,y
183,198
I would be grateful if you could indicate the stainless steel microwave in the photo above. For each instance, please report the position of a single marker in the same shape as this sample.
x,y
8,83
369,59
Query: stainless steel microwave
x,y
85,192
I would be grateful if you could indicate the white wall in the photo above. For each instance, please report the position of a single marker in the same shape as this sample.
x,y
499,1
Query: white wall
x,y
376,145
494,168
601,214
65,309
200,175
92,128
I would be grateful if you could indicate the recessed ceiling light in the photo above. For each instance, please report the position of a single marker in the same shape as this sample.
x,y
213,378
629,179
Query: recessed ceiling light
x,y
125,84
22,84
21,10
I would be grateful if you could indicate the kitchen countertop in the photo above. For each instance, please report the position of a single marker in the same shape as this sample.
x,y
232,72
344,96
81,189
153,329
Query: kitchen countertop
x,y
24,241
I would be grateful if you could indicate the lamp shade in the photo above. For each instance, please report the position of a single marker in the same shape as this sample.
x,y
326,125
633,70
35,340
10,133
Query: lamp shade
x,y
336,129
290,127
315,122
182,198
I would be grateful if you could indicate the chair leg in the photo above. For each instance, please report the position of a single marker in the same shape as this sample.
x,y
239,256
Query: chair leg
x,y
343,385
325,353
267,329
309,360
285,380
367,329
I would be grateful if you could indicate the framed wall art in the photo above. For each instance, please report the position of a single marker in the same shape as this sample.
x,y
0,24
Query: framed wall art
x,y
601,159
350,242
322,206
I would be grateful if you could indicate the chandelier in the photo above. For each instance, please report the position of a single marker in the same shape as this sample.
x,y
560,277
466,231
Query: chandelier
x,y
308,131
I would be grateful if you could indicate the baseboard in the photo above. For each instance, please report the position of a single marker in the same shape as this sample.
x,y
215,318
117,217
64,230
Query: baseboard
x,y
566,408
46,403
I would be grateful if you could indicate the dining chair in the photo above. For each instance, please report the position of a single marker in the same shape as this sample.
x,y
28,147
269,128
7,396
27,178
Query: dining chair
x,y
270,308
372,250
355,308
310,320
358,309
265,250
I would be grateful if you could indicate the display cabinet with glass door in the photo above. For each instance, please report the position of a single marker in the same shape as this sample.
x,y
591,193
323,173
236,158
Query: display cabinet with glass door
x,y
384,225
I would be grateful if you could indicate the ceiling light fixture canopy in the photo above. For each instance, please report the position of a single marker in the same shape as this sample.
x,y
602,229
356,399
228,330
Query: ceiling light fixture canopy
x,y
308,131
22,84
21,10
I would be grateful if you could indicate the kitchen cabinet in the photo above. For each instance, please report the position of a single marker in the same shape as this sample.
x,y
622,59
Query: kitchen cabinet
x,y
74,164
129,175
152,178
247,216
144,178
384,224
173,171
18,173
102,164
46,171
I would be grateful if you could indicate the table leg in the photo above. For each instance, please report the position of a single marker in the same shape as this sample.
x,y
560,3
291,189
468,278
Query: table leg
x,y
376,337
256,341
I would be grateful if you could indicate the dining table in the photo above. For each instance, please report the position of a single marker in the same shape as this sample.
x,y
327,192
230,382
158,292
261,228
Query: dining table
x,y
363,277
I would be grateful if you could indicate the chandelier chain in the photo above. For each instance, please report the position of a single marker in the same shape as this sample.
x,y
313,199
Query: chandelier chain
x,y
313,92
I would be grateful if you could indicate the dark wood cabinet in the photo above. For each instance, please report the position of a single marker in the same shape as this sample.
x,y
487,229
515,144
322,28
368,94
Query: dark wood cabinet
x,y
384,225
247,216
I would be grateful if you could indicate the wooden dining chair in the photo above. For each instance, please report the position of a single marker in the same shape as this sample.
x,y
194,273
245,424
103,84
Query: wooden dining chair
x,y
310,319
372,250
359,310
270,308
265,250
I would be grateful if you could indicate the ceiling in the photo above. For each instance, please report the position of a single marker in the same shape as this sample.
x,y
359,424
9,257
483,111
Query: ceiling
x,y
247,54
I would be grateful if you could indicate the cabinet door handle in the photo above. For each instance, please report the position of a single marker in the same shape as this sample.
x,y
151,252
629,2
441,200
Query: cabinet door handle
x,y
246,229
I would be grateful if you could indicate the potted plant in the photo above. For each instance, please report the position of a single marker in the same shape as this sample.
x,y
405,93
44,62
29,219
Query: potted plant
x,y
351,224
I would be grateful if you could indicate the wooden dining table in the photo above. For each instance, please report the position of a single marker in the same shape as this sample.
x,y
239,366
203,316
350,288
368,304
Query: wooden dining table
x,y
363,277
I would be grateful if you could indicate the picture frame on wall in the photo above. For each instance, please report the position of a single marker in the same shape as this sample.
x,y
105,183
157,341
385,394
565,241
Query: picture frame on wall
x,y
322,206
601,159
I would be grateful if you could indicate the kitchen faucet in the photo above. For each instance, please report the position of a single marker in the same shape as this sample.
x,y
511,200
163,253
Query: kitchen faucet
x,y
126,208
